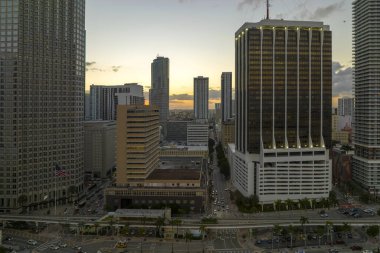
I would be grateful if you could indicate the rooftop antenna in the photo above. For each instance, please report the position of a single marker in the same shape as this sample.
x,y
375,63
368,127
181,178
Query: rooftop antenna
x,y
268,5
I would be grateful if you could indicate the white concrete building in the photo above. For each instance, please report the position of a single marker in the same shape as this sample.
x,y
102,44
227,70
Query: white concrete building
x,y
366,122
197,133
104,99
345,106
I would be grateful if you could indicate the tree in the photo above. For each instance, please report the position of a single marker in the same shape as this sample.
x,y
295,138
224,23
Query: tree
x,y
313,203
330,230
346,227
202,228
159,223
332,198
278,204
71,191
320,231
303,221
289,204
188,237
373,231
178,223
277,229
96,226
22,200
291,231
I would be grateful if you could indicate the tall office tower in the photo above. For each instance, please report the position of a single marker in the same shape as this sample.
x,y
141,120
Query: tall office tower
x,y
366,30
283,117
104,99
137,143
345,106
159,92
226,92
200,97
42,78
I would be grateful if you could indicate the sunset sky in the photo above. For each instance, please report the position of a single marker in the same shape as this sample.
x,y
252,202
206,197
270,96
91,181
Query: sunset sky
x,y
124,36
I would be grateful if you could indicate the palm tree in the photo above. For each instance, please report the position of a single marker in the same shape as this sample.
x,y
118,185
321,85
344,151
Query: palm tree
x,y
202,228
188,237
111,223
277,204
22,200
96,226
291,231
178,223
314,203
329,230
289,203
346,227
159,223
71,191
303,221
320,232
277,231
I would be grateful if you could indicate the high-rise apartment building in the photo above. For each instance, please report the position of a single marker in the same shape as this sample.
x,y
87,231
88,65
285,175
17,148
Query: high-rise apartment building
x,y
197,133
283,110
159,92
200,97
99,147
366,36
345,106
104,99
226,95
42,78
137,143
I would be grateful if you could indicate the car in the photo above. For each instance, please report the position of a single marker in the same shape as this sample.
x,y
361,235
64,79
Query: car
x,y
324,215
356,215
339,242
258,242
356,247
8,238
32,242
349,235
63,245
54,247
333,250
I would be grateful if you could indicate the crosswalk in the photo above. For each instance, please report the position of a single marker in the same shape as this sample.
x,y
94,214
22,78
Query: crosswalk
x,y
46,245
233,251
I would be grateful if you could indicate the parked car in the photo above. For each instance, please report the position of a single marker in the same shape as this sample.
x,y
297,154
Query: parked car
x,y
32,242
356,247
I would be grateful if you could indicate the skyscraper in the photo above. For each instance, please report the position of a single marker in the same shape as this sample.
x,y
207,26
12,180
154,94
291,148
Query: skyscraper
x,y
159,92
137,143
104,99
345,106
226,92
366,36
283,110
42,78
200,97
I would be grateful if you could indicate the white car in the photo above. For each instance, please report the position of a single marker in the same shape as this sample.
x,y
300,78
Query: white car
x,y
32,242
63,245
54,247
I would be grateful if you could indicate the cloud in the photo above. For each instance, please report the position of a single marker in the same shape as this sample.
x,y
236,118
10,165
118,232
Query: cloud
x,y
342,80
214,94
89,64
254,3
323,12
181,97
116,68
303,10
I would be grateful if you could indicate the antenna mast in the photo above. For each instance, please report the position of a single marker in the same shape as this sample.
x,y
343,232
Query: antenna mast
x,y
268,5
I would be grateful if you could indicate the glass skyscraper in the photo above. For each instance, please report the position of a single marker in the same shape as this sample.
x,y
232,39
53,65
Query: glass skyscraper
x,y
366,38
42,77
283,110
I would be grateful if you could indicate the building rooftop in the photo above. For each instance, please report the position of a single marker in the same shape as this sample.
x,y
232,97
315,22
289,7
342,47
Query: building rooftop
x,y
149,213
175,174
283,23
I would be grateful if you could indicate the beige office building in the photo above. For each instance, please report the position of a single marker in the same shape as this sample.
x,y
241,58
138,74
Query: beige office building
x,y
228,132
137,143
99,147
